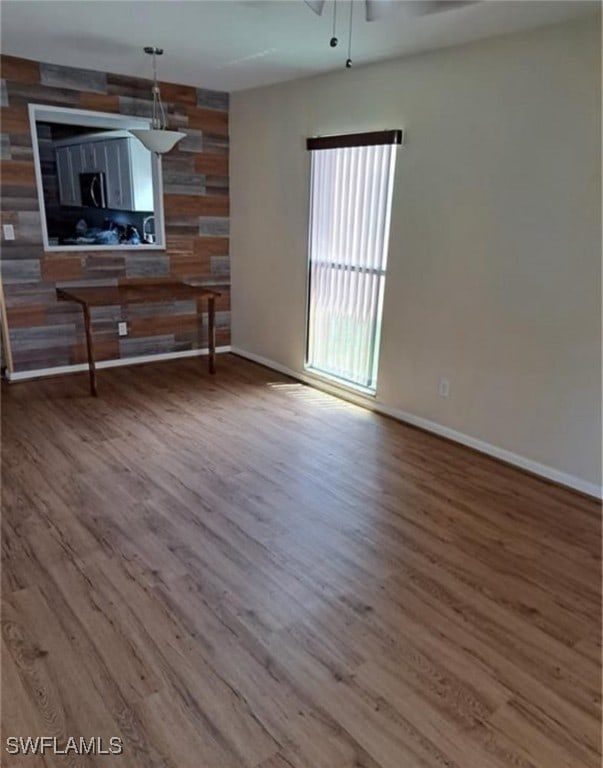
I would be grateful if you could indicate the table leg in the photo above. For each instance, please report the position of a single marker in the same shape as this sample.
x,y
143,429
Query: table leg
x,y
90,349
211,333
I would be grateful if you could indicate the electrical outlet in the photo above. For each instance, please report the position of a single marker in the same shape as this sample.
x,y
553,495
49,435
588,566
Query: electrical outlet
x,y
9,231
444,387
122,328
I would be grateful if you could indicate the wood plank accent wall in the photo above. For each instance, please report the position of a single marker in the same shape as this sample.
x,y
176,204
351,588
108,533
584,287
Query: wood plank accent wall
x,y
44,333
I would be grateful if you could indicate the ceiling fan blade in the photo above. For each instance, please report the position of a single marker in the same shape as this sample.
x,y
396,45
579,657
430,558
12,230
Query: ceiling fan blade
x,y
377,9
424,7
316,5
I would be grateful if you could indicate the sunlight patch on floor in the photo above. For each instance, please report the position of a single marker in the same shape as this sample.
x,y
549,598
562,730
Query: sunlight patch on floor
x,y
324,400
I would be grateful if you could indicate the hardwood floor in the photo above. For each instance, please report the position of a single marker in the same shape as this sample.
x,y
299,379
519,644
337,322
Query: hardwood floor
x,y
242,572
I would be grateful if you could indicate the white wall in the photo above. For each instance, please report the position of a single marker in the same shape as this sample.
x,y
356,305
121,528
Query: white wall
x,y
495,254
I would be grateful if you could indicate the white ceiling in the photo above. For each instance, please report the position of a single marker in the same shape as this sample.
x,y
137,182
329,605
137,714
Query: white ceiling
x,y
236,44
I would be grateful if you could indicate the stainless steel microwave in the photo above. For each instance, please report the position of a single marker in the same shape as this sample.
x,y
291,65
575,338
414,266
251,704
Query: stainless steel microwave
x,y
92,189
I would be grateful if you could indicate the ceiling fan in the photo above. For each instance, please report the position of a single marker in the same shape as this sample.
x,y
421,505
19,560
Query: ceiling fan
x,y
378,9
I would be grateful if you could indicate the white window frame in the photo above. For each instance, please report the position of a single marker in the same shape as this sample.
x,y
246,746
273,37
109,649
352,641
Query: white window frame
x,y
377,267
95,120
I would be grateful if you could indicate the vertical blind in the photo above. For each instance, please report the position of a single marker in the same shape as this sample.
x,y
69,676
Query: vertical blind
x,y
350,204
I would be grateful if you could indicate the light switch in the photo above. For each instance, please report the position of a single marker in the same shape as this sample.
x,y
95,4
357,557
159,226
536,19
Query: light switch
x,y
9,231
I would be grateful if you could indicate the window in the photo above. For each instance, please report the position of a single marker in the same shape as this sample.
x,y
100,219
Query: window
x,y
350,204
99,188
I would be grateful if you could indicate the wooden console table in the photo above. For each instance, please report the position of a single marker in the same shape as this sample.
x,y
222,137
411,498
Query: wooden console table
x,y
139,292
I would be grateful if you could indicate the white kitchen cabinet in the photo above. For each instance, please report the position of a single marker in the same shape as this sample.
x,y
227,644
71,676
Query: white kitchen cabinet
x,y
68,170
117,174
88,155
124,161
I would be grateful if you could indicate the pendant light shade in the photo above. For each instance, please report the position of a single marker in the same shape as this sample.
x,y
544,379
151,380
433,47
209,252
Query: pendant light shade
x,y
157,138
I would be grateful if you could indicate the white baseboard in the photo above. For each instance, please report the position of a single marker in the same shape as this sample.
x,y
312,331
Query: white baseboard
x,y
534,467
117,363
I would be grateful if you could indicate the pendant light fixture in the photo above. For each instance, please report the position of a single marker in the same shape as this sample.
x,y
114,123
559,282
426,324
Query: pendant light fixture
x,y
157,138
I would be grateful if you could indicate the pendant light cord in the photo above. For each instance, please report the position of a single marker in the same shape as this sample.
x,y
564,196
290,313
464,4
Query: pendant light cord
x,y
159,121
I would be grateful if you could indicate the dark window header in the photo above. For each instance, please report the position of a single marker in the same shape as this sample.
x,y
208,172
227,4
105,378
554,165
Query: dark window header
x,y
355,140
